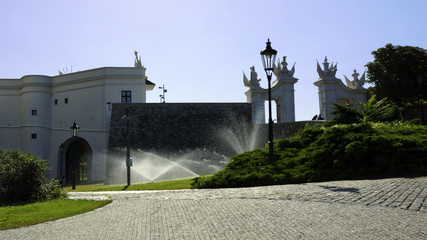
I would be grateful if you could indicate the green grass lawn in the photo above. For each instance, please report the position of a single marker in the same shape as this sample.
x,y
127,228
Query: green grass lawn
x,y
162,185
29,214
34,213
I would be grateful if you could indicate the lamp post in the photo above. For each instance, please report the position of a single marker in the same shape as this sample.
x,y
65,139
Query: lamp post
x,y
128,159
420,81
268,57
74,130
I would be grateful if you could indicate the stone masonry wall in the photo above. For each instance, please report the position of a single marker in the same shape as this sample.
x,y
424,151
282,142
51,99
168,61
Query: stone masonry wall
x,y
164,127
211,130
172,127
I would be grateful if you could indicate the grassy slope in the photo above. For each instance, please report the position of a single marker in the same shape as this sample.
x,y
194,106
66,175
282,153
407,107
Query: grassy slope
x,y
162,185
30,214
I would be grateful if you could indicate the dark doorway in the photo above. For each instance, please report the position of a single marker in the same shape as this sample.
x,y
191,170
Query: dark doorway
x,y
77,158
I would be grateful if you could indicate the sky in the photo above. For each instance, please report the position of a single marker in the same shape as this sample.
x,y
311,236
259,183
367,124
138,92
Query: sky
x,y
198,49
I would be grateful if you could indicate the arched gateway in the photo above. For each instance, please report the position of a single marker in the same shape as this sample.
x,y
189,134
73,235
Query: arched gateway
x,y
75,161
282,92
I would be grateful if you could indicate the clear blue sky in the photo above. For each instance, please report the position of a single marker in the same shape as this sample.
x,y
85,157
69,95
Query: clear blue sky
x,y
199,49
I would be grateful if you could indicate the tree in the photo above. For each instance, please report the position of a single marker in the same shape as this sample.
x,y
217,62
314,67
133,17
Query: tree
x,y
394,72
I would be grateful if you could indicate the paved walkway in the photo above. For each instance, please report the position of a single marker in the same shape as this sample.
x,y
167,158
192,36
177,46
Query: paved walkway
x,y
369,209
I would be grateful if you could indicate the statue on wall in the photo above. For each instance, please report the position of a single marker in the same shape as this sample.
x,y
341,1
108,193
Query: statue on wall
x,y
356,82
138,62
282,69
327,71
254,81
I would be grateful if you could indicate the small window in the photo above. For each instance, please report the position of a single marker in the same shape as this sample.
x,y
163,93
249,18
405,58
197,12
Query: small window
x,y
126,96
33,135
56,101
66,100
33,112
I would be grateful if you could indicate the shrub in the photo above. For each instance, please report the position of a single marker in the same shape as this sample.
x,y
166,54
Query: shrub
x,y
22,179
344,115
353,151
371,111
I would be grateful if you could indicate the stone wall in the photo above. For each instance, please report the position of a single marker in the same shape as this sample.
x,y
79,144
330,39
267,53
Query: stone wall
x,y
205,133
169,127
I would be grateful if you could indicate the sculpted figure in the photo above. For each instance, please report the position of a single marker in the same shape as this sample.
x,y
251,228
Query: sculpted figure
x,y
356,82
137,60
327,71
282,69
254,81
284,65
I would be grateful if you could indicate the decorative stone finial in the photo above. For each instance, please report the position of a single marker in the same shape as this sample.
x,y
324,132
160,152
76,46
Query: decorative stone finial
x,y
327,72
356,82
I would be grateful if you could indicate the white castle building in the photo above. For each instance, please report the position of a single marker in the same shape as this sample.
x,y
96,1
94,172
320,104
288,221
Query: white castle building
x,y
38,111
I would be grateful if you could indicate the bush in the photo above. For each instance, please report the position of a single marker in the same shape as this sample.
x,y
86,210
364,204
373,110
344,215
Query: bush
x,y
344,115
353,151
22,179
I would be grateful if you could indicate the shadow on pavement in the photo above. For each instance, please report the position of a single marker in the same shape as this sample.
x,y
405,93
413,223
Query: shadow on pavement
x,y
341,189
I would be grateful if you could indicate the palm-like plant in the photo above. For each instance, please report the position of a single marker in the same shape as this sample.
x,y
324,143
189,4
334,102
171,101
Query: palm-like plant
x,y
379,111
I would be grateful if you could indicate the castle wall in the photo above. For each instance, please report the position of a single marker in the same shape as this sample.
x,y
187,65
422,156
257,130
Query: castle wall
x,y
172,130
175,126
169,127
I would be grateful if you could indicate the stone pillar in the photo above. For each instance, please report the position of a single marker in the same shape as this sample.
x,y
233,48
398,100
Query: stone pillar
x,y
327,96
284,91
256,96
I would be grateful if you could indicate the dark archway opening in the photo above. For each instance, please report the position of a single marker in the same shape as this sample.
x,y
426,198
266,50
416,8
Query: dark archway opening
x,y
77,158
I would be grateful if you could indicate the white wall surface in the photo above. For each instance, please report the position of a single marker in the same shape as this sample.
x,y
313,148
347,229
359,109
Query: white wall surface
x,y
87,93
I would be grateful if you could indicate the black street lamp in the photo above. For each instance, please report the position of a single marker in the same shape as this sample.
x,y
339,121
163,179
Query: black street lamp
x,y
268,57
74,130
128,159
420,81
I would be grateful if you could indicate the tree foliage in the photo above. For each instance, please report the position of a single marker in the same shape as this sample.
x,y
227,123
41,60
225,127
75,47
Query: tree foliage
x,y
379,111
394,72
372,111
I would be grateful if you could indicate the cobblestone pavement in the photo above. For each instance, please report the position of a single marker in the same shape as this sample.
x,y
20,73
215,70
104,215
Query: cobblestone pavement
x,y
368,209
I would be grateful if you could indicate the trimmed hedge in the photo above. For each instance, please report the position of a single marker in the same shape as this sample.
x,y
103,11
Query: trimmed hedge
x,y
353,151
22,179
